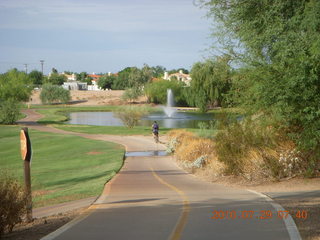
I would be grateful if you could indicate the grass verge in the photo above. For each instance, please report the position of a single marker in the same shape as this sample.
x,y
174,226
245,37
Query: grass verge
x,y
64,168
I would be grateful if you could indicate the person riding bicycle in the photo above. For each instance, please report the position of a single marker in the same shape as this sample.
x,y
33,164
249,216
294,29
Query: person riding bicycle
x,y
155,131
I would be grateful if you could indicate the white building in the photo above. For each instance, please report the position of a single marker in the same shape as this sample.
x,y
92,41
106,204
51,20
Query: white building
x,y
180,76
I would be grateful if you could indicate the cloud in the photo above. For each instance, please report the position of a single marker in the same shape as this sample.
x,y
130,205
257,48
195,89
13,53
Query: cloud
x,y
111,16
82,34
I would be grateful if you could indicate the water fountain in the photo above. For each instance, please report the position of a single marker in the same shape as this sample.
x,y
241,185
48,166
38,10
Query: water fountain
x,y
169,109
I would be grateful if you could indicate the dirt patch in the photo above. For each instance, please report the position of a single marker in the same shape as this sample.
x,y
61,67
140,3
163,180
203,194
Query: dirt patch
x,y
90,98
41,227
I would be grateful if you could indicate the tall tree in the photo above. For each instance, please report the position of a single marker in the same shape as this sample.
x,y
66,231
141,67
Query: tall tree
x,y
15,87
56,79
106,81
280,42
158,71
210,81
36,77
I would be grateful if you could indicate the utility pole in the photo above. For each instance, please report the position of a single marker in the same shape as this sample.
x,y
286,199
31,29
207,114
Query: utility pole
x,y
42,61
26,67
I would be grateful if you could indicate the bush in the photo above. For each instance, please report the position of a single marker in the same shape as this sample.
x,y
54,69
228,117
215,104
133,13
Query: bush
x,y
256,149
130,115
194,152
54,94
9,111
207,130
131,94
12,203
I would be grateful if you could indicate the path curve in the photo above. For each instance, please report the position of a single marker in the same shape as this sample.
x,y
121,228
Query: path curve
x,y
152,198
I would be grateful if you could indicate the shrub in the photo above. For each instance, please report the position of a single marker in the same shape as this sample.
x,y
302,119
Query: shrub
x,y
131,94
54,94
130,115
194,152
256,149
12,202
9,111
207,130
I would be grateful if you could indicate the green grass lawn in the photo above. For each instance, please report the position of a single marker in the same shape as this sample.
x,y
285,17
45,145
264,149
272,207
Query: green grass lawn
x,y
64,168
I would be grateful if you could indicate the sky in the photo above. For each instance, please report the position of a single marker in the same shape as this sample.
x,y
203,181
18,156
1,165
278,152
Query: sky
x,y
101,35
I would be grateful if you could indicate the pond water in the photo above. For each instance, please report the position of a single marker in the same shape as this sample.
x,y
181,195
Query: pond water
x,y
178,120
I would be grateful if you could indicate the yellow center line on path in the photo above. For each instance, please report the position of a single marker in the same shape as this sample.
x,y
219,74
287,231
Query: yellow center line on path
x,y
177,231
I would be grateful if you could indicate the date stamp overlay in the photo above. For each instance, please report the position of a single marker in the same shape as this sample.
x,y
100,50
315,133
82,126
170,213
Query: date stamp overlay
x,y
262,214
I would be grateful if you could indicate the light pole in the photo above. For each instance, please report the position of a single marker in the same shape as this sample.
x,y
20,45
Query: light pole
x,y
26,67
42,61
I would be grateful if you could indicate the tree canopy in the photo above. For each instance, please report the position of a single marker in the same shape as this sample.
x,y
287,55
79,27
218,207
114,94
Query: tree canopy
x,y
56,79
36,77
211,80
278,45
15,85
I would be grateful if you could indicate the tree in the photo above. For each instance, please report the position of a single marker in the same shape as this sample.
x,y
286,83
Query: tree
x,y
56,79
36,77
158,71
280,47
83,77
211,80
121,82
15,87
157,91
106,81
138,77
185,71
131,115
132,77
131,94
54,94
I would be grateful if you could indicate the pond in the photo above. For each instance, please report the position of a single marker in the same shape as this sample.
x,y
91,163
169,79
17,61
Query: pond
x,y
178,120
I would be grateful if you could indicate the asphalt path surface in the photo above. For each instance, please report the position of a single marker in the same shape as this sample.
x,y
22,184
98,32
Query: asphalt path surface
x,y
152,198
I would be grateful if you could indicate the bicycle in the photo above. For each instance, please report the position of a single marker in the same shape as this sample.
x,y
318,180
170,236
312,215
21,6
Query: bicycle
x,y
156,137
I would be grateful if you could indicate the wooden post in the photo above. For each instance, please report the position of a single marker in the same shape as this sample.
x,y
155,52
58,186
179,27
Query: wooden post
x,y
26,157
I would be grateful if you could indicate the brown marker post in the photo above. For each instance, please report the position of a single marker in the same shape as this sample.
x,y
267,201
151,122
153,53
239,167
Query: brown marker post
x,y
26,157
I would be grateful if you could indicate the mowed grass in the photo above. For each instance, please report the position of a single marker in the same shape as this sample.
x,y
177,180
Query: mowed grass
x,y
64,167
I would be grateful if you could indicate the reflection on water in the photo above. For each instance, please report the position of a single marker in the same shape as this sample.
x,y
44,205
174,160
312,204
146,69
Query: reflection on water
x,y
178,120
146,154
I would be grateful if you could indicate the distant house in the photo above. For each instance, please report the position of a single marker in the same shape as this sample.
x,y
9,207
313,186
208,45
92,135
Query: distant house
x,y
180,76
70,77
72,84
75,85
94,79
